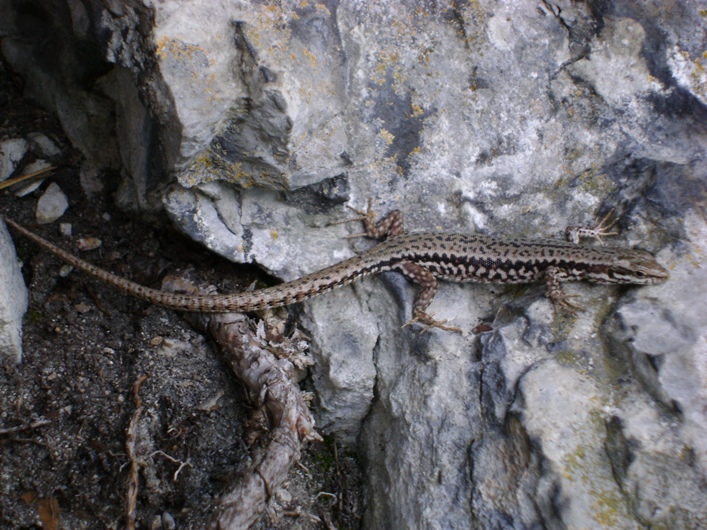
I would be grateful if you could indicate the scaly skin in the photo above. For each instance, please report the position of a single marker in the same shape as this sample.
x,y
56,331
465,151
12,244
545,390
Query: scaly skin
x,y
423,258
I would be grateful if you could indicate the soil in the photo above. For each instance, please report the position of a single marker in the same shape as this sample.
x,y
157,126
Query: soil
x,y
85,345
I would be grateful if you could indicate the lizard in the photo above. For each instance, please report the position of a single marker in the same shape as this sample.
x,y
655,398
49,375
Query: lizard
x,y
423,258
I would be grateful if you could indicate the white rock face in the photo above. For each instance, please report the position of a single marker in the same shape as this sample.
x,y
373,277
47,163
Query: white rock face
x,y
13,302
252,124
11,152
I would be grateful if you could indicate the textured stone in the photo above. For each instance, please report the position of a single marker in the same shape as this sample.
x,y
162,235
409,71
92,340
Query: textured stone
x,y
13,302
251,124
11,152
44,145
51,205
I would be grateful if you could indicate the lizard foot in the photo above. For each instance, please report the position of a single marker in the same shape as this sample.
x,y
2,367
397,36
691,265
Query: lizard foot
x,y
600,229
424,318
563,302
368,217
390,226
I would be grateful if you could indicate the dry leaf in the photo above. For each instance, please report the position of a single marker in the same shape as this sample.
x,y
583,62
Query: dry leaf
x,y
29,497
48,510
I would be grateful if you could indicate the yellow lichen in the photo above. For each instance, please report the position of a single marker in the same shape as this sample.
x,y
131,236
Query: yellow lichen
x,y
323,8
607,508
312,58
387,136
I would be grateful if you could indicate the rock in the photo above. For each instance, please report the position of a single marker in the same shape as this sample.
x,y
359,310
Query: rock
x,y
44,145
614,65
664,344
66,229
13,302
51,205
11,152
168,522
251,125
35,166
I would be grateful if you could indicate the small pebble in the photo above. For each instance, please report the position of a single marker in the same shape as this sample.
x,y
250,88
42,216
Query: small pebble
x,y
35,166
51,205
168,521
82,308
44,145
65,229
88,243
65,270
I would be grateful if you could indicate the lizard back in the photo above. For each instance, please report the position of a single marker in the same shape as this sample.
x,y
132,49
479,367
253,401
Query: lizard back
x,y
452,257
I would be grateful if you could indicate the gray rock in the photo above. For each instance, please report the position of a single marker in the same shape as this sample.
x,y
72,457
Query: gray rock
x,y
51,205
251,125
13,302
35,166
664,344
44,145
12,151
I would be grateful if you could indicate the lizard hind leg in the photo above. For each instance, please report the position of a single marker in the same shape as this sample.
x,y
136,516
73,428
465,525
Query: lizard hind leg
x,y
423,277
560,299
390,226
431,323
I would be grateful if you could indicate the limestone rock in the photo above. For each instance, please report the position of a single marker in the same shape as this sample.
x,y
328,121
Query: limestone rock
x,y
51,205
14,300
11,152
251,124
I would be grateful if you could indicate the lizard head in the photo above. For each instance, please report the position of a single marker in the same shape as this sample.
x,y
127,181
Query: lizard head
x,y
632,266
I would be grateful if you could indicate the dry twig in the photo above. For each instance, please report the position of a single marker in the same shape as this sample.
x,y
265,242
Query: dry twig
x,y
29,176
33,425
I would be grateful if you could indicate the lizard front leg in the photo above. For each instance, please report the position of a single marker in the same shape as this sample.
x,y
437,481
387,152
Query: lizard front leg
x,y
390,226
600,229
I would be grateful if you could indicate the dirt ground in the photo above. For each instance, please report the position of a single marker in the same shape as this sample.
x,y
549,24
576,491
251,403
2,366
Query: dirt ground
x,y
86,344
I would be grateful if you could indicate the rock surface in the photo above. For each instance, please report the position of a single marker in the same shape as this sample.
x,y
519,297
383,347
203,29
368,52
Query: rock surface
x,y
51,205
250,125
13,304
11,152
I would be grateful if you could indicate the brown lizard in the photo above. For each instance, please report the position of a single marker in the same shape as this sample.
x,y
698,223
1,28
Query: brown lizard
x,y
423,258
